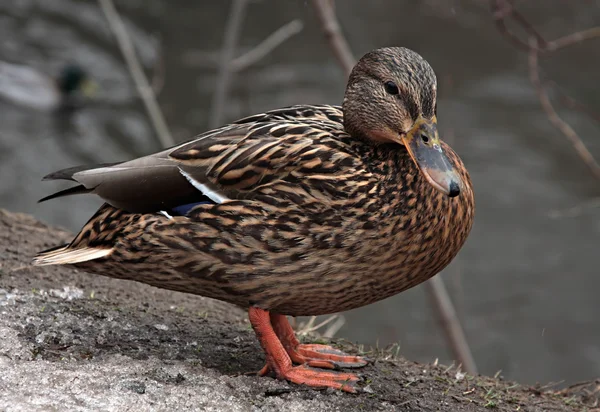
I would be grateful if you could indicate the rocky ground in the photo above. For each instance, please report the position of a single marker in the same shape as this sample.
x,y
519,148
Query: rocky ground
x,y
75,341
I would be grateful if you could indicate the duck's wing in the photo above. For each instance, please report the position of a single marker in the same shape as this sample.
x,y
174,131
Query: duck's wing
x,y
235,162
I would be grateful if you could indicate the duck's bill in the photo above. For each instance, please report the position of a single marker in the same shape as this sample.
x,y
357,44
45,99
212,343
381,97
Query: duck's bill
x,y
424,146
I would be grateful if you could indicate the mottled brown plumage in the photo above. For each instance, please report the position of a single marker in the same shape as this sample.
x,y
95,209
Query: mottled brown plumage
x,y
305,210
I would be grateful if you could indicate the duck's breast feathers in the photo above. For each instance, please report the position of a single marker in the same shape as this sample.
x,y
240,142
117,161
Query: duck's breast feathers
x,y
26,86
239,161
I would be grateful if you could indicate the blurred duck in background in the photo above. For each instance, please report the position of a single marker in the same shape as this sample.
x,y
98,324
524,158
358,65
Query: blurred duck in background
x,y
28,87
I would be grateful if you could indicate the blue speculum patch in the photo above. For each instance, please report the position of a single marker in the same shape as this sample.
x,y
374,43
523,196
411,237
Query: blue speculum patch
x,y
183,210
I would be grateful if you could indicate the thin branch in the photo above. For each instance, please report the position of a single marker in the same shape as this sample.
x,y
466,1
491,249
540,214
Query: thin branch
x,y
573,38
534,46
448,318
252,56
442,303
501,9
575,105
274,40
333,33
232,32
158,76
137,73
555,119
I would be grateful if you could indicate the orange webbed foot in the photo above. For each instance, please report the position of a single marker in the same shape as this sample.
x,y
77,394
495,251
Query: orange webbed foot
x,y
305,375
280,357
315,355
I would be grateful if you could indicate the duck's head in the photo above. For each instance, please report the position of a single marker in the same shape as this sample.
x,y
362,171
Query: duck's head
x,y
73,79
391,98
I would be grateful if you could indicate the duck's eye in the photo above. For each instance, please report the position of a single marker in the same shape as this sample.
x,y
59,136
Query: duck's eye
x,y
391,88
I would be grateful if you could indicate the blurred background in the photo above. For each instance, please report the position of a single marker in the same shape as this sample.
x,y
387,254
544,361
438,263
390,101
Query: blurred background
x,y
526,285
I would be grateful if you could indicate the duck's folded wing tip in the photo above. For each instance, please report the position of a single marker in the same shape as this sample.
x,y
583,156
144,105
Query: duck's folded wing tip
x,y
76,190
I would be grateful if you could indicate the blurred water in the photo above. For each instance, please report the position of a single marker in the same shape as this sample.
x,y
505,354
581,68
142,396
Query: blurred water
x,y
526,285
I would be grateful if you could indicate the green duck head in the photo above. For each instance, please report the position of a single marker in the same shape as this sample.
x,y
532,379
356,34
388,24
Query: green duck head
x,y
74,79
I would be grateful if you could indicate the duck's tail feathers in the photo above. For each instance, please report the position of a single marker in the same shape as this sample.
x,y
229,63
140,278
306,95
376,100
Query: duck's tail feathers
x,y
63,255
75,190
67,174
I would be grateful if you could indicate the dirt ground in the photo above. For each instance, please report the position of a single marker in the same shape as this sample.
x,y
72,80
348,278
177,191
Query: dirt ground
x,y
75,341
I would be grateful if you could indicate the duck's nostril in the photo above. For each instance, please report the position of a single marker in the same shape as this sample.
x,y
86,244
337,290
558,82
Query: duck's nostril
x,y
454,189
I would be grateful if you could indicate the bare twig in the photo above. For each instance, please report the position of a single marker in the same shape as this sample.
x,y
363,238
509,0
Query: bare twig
x,y
502,9
251,57
573,38
554,118
451,324
265,47
333,33
232,32
535,45
442,303
573,104
158,76
137,73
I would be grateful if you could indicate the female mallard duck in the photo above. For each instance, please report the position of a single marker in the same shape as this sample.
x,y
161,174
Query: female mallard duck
x,y
30,88
305,210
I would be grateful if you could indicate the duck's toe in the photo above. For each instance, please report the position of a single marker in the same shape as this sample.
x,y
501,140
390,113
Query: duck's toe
x,y
315,378
325,356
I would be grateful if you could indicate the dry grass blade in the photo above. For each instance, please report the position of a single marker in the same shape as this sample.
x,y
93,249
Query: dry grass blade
x,y
310,326
335,327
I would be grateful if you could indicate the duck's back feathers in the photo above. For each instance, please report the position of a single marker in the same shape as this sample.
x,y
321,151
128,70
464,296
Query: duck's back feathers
x,y
326,113
232,162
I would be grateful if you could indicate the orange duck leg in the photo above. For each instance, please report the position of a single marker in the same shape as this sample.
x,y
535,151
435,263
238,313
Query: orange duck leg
x,y
315,355
282,348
